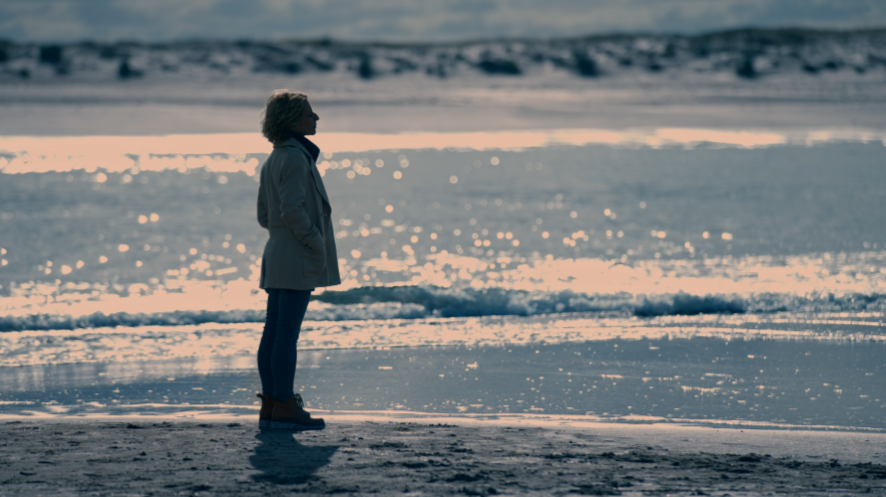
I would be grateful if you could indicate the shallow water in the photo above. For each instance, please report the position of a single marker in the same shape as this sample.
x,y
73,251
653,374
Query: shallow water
x,y
706,381
772,371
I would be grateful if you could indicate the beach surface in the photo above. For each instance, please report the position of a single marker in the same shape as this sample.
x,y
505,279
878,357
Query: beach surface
x,y
358,455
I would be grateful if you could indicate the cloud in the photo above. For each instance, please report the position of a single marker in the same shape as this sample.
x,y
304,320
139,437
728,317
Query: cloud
x,y
410,20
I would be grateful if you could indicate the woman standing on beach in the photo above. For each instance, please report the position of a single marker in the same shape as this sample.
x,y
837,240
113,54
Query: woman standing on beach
x,y
299,256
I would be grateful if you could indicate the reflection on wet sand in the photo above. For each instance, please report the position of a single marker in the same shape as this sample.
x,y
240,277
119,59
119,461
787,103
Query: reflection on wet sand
x,y
719,381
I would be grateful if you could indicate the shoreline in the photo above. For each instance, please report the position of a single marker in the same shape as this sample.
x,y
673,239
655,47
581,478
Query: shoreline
x,y
228,412
797,442
610,383
142,455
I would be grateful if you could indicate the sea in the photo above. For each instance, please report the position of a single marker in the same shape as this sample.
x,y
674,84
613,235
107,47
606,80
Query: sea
x,y
701,276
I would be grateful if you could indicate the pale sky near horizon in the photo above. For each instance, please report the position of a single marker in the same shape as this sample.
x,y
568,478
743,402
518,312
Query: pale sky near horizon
x,y
410,20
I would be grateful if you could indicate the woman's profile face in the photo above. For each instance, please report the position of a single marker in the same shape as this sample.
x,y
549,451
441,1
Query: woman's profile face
x,y
307,125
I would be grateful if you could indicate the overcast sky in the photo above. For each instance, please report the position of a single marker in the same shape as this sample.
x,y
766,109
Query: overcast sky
x,y
410,20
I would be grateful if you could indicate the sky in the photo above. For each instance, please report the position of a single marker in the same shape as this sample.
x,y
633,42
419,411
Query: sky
x,y
410,20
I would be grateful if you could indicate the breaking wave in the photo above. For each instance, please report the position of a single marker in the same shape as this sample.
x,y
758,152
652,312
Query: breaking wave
x,y
416,302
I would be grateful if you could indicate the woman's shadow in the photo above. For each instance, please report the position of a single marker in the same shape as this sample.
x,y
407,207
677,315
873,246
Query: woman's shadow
x,y
284,461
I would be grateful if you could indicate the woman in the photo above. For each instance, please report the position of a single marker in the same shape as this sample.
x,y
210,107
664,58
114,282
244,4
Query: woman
x,y
299,256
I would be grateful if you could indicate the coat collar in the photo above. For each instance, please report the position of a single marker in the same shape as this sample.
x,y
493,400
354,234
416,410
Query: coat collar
x,y
312,149
318,180
306,144
291,142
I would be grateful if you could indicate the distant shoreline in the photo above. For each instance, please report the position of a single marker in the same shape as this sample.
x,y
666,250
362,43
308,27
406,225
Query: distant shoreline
x,y
749,54
784,79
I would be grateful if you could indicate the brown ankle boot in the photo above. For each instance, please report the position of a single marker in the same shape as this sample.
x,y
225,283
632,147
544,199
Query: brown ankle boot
x,y
291,415
267,407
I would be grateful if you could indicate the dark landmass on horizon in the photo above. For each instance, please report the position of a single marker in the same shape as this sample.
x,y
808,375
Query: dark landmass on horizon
x,y
748,53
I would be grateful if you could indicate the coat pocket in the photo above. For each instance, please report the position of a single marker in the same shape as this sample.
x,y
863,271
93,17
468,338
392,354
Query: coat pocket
x,y
313,263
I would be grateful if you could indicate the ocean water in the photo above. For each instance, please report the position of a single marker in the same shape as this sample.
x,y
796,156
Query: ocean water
x,y
723,278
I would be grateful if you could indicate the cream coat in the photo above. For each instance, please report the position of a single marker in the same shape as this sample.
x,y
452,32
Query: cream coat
x,y
294,207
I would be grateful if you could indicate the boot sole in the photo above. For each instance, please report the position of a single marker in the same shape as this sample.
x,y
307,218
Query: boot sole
x,y
268,424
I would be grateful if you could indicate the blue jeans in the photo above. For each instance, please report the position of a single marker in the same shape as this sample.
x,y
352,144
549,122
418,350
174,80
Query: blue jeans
x,y
277,354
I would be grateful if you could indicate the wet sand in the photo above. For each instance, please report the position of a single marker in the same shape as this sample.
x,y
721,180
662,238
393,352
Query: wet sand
x,y
430,456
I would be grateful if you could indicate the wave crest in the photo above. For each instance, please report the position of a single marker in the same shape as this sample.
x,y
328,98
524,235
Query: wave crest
x,y
416,302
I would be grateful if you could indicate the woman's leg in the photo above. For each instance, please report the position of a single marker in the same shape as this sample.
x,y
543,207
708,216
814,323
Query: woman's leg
x,y
291,311
266,346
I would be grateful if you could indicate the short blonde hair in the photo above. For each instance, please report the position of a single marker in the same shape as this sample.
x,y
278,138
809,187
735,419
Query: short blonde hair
x,y
282,111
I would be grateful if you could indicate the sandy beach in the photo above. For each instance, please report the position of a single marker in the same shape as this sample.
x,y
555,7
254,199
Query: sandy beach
x,y
426,456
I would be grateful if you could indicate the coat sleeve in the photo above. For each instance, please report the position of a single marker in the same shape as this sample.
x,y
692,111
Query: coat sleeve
x,y
262,209
295,179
